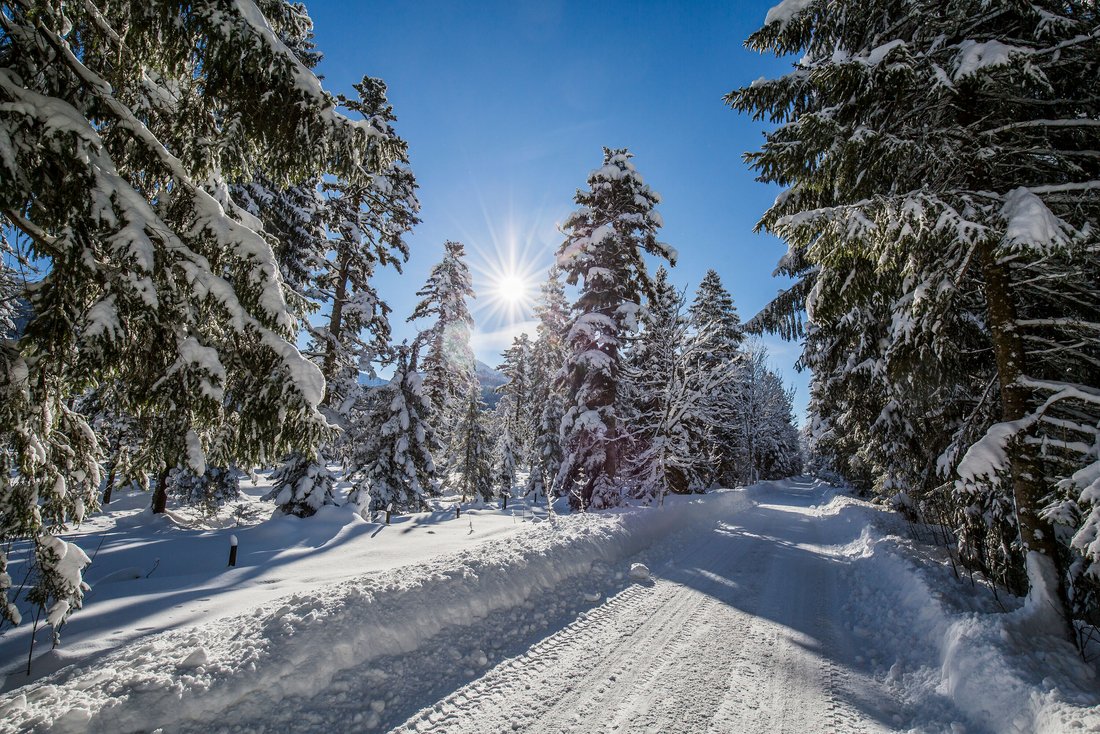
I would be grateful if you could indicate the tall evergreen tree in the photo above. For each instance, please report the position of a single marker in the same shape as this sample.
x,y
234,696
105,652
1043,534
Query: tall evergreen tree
x,y
768,445
606,237
673,420
548,356
368,221
391,464
473,450
449,361
505,474
121,127
716,336
651,362
898,219
520,414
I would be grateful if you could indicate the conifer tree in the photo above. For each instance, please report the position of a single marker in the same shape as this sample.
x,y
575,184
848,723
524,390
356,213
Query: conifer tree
x,y
649,371
938,187
391,464
516,394
505,474
449,361
368,222
768,446
716,336
122,127
548,356
606,237
473,451
673,421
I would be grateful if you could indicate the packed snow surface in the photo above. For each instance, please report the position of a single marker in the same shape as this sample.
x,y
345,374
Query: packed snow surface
x,y
784,607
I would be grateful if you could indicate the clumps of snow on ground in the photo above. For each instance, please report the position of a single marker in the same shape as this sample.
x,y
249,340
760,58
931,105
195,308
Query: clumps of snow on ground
x,y
940,641
298,646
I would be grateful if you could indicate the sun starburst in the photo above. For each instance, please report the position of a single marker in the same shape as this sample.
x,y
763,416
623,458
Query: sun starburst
x,y
506,277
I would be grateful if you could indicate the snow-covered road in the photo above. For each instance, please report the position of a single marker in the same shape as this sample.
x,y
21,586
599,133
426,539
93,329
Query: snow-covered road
x,y
783,607
735,633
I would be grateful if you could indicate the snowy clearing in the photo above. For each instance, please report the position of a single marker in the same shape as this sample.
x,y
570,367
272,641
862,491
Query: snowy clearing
x,y
777,608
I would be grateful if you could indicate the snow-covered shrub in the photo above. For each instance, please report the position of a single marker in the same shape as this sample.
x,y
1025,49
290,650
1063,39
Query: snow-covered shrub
x,y
59,588
301,486
209,491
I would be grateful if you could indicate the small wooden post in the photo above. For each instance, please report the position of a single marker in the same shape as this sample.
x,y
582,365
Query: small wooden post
x,y
389,509
458,511
505,505
232,551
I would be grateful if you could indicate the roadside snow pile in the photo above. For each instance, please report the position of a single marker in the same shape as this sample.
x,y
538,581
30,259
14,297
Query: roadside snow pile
x,y
152,573
987,665
296,646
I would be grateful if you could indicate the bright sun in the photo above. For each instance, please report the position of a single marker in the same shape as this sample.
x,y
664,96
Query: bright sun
x,y
509,267
512,289
506,281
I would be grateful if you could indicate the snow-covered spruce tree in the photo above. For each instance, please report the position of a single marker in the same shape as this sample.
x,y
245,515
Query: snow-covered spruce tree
x,y
548,355
368,220
302,484
120,127
521,413
648,372
674,421
473,450
715,339
605,239
449,361
946,146
391,461
504,474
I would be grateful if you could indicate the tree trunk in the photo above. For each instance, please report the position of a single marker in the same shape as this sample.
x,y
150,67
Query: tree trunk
x,y
109,487
336,318
160,492
1046,579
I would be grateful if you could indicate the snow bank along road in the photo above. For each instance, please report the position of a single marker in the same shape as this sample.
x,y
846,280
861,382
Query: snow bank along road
x,y
787,613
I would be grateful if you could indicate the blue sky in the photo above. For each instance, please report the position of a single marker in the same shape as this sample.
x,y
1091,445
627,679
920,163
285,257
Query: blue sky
x,y
506,107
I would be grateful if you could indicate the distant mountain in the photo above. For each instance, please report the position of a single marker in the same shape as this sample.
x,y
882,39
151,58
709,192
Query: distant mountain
x,y
490,379
487,377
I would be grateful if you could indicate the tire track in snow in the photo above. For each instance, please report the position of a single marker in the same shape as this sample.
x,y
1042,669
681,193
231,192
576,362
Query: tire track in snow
x,y
735,635
581,673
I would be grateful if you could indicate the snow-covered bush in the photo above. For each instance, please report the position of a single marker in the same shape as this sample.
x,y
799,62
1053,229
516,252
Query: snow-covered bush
x,y
208,491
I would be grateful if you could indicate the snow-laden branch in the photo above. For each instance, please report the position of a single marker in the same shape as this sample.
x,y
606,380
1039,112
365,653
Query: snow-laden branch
x,y
1075,323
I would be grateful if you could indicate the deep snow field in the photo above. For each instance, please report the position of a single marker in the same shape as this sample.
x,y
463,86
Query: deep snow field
x,y
786,606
